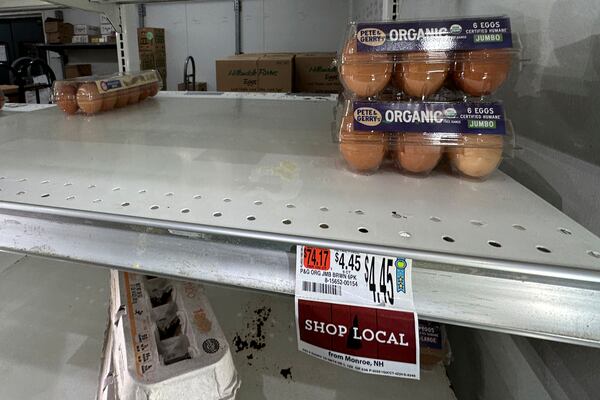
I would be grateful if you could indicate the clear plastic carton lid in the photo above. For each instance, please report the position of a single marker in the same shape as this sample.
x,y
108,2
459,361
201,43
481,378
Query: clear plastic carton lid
x,y
98,86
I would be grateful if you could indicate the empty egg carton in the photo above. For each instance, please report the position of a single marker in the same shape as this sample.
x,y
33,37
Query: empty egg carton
x,y
164,342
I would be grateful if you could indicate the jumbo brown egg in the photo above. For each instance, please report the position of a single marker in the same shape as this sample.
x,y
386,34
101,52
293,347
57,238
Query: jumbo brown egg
x,y
144,91
416,153
66,98
481,72
153,89
364,74
421,74
477,156
363,151
122,98
109,100
134,95
88,98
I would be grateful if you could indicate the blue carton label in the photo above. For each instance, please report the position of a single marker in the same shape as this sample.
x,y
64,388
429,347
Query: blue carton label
x,y
108,85
435,35
430,334
429,117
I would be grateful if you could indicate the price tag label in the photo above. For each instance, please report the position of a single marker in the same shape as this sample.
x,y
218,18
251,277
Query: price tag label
x,y
356,310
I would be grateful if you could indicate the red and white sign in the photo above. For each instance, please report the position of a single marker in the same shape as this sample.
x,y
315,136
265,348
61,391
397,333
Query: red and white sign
x,y
356,310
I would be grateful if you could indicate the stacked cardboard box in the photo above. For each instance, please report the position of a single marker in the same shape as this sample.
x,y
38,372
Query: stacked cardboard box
x,y
315,73
278,72
260,72
58,31
86,38
83,29
77,70
151,45
107,31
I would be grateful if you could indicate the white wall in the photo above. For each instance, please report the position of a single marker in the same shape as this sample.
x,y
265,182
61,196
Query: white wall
x,y
496,366
205,30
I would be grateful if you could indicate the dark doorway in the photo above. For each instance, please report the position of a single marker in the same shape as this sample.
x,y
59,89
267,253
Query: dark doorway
x,y
17,35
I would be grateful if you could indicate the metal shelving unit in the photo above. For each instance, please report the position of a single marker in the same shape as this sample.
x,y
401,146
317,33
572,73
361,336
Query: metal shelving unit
x,y
220,187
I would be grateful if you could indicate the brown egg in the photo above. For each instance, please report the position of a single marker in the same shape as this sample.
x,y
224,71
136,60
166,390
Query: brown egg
x,y
363,151
154,87
481,72
109,100
416,154
364,74
477,156
421,74
122,98
88,98
65,97
2,101
134,95
144,92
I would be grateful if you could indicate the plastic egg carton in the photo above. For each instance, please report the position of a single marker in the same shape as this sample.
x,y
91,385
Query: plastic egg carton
x,y
164,342
93,94
471,138
420,57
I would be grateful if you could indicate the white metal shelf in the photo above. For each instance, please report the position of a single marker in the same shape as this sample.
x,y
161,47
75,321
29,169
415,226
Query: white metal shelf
x,y
131,187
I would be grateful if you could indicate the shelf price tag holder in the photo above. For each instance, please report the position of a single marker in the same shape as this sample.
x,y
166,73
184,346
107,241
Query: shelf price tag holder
x,y
356,310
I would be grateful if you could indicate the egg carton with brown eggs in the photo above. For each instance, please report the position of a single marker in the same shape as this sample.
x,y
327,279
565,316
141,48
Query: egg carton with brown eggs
x,y
419,58
417,136
94,94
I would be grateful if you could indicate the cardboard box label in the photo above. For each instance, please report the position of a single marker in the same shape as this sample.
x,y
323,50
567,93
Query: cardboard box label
x,y
315,73
255,72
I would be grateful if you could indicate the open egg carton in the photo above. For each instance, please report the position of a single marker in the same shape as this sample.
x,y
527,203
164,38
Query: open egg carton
x,y
414,137
93,94
164,342
418,58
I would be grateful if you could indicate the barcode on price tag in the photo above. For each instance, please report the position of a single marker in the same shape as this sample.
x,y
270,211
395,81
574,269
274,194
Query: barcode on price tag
x,y
356,310
315,287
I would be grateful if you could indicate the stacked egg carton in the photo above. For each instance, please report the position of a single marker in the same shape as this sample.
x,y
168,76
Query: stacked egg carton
x,y
416,93
164,342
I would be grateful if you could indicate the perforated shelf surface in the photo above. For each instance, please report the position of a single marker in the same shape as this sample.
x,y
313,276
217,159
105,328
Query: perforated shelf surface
x,y
269,169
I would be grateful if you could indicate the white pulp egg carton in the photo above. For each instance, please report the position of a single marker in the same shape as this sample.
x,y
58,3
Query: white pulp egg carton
x,y
164,342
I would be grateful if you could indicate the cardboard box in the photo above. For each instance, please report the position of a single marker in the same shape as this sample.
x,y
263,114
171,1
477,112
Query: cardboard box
x,y
268,72
63,33
58,37
86,39
151,39
106,29
200,87
83,29
314,73
104,20
108,38
152,60
77,70
52,25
